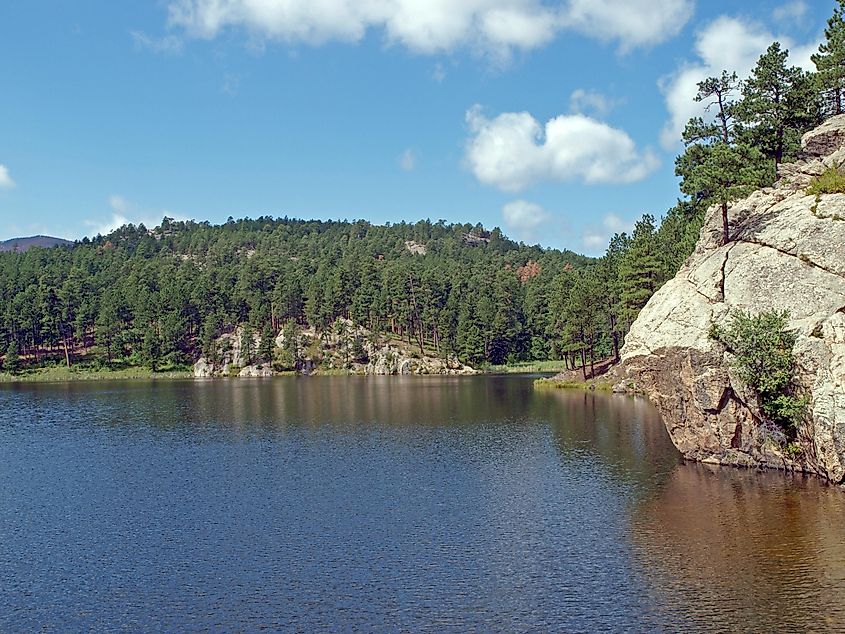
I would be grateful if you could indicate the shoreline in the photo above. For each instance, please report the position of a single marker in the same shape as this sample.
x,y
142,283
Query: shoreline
x,y
63,375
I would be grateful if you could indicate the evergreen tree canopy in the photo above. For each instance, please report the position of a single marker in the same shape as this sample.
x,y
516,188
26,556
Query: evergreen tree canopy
x,y
830,63
716,168
778,104
719,94
723,174
162,297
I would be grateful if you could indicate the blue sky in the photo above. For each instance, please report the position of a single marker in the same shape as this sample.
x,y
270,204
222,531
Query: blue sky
x,y
557,121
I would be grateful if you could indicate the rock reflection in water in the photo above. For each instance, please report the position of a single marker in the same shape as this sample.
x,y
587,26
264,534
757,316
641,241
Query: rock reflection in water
x,y
625,434
740,550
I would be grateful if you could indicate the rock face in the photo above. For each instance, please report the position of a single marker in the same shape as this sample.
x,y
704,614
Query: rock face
x,y
231,359
787,252
329,351
390,359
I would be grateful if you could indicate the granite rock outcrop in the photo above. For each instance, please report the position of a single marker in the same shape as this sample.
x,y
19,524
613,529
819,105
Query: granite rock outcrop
x,y
786,252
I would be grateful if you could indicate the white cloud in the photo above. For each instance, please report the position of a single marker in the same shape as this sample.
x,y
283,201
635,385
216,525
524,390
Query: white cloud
x,y
123,213
105,227
439,73
496,27
727,43
587,102
791,12
523,218
231,83
118,204
6,181
166,45
407,160
632,23
513,151
595,239
799,54
615,224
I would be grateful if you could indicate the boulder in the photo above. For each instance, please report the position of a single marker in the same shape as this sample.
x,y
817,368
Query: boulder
x,y
826,139
388,359
256,371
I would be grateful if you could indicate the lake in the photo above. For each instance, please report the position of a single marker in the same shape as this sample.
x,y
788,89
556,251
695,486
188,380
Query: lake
x,y
392,504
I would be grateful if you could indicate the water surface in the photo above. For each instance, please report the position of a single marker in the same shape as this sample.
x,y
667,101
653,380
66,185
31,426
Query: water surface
x,y
392,504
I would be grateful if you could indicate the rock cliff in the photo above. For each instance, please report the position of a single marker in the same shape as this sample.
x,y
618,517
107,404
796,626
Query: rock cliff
x,y
787,252
330,352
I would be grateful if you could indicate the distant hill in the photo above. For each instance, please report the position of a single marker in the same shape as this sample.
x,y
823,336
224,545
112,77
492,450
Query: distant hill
x,y
24,244
169,293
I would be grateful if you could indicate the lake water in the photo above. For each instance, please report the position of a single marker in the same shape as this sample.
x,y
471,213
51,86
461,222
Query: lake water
x,y
392,504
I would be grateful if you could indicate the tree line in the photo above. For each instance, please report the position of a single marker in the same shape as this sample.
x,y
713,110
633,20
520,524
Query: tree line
x,y
161,297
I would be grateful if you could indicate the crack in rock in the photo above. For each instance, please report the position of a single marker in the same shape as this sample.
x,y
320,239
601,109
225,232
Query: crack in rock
x,y
802,258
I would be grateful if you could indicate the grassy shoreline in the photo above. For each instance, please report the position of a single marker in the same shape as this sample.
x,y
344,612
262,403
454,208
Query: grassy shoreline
x,y
598,378
592,385
524,367
64,375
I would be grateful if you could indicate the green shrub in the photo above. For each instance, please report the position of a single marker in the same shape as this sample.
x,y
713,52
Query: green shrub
x,y
283,360
793,450
763,359
831,181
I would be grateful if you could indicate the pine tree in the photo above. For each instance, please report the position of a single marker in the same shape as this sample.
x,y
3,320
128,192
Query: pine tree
x,y
778,105
470,341
288,357
210,332
563,330
12,363
639,270
678,234
265,350
151,348
830,63
715,169
725,174
608,275
108,325
719,96
359,352
340,330
585,316
247,344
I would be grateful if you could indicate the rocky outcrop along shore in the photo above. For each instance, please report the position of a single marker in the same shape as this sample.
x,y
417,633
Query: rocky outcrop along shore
x,y
786,252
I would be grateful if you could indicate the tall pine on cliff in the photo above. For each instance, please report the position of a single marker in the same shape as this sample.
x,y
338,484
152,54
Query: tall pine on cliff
x,y
717,167
778,104
830,63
